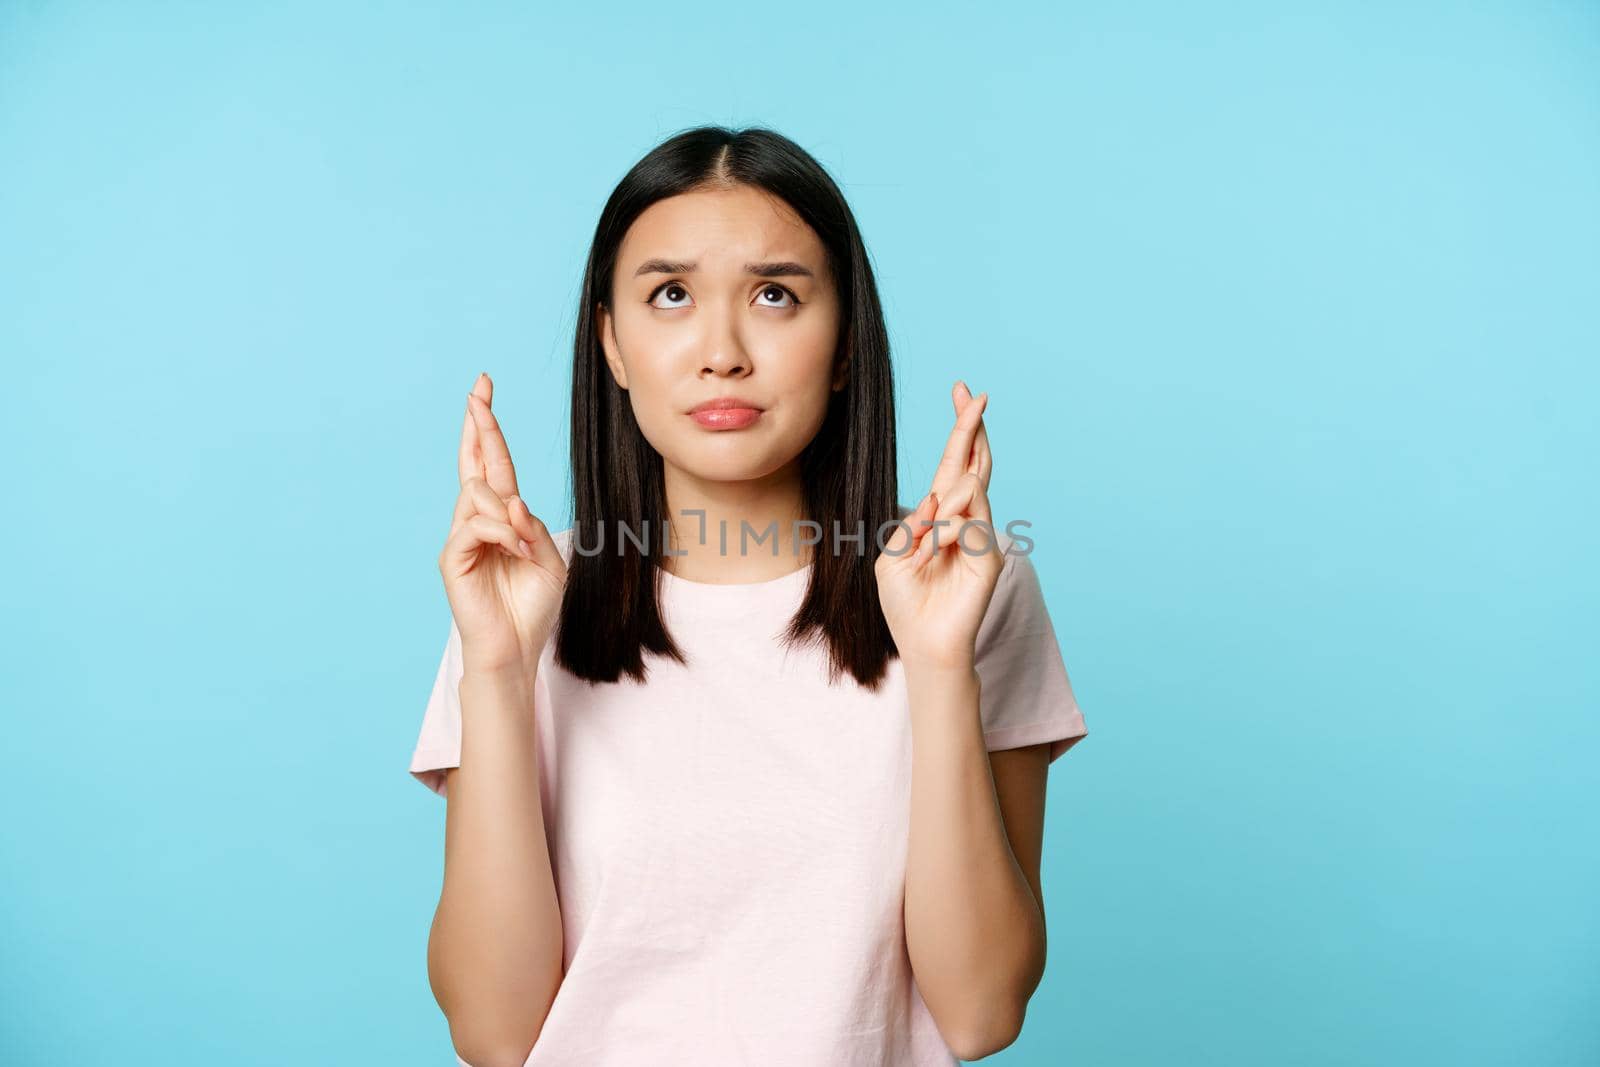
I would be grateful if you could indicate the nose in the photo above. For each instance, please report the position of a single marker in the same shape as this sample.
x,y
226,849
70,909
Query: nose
x,y
724,350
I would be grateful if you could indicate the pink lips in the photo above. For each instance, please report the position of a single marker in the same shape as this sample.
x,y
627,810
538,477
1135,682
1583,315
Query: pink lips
x,y
725,413
725,418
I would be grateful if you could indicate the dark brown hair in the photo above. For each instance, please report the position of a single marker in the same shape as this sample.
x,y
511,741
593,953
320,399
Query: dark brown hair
x,y
610,614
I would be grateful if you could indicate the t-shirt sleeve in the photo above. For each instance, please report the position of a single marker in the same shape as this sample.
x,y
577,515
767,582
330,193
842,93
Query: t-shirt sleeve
x,y
439,743
1025,695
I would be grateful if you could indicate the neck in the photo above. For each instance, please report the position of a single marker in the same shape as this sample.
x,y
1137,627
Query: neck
x,y
769,507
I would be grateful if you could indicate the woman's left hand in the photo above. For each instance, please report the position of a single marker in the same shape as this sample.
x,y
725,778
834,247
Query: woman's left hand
x,y
934,589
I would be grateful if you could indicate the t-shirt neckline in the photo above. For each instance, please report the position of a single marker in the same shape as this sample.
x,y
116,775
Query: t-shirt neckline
x,y
689,585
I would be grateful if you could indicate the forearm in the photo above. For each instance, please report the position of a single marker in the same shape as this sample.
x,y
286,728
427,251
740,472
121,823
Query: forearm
x,y
974,931
495,950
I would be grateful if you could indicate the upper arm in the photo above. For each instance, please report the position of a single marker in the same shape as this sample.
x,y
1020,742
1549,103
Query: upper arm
x,y
1019,784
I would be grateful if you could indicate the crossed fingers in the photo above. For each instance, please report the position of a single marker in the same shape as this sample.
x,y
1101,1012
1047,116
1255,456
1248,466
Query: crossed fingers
x,y
967,449
483,445
961,481
488,477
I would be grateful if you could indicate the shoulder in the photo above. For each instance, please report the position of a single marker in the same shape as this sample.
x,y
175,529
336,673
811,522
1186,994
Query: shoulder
x,y
1017,606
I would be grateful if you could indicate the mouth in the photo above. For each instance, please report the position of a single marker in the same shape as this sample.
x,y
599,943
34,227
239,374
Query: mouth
x,y
725,413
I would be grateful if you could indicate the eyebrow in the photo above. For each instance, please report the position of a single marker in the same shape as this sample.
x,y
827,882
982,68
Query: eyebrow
x,y
779,269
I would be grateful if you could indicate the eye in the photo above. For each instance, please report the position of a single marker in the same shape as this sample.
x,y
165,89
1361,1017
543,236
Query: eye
x,y
676,291
768,290
667,287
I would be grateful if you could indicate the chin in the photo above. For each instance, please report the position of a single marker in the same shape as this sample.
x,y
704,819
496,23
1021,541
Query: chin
x,y
742,468
726,457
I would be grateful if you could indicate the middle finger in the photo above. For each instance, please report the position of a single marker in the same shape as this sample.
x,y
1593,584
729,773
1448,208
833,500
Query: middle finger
x,y
469,459
497,466
958,449
982,459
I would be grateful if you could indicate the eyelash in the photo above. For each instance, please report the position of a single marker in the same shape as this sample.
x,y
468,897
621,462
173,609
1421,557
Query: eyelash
x,y
770,285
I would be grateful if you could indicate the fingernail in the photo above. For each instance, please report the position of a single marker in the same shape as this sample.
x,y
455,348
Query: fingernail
x,y
527,549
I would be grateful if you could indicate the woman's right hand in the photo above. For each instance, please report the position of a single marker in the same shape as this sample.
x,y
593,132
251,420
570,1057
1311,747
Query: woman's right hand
x,y
503,575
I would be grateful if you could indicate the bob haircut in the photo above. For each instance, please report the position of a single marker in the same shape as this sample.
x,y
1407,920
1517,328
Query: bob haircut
x,y
610,612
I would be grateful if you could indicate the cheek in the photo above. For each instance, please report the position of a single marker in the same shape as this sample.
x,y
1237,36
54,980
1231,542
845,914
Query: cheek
x,y
648,352
808,373
807,347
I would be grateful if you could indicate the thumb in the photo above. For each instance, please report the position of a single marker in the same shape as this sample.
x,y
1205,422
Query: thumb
x,y
545,552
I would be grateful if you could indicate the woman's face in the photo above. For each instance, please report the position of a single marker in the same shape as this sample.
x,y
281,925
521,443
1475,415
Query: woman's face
x,y
721,293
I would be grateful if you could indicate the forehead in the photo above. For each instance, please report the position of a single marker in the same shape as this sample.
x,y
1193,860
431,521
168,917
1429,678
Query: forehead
x,y
720,227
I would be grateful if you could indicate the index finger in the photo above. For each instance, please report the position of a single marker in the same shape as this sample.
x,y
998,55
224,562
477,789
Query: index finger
x,y
469,464
958,449
982,459
497,468
469,460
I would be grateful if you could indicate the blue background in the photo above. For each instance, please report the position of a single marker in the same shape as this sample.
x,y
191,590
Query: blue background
x,y
1289,322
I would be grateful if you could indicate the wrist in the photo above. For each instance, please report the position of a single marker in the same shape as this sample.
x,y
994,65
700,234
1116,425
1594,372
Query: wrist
x,y
945,657
942,671
509,678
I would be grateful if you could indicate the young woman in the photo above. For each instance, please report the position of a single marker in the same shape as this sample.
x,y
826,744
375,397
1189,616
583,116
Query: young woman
x,y
719,799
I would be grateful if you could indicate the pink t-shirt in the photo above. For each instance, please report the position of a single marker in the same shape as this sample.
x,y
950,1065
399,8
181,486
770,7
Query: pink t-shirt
x,y
729,838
